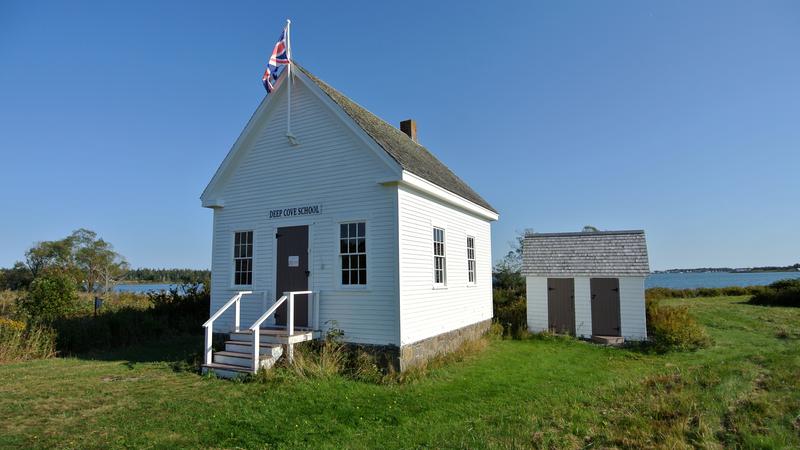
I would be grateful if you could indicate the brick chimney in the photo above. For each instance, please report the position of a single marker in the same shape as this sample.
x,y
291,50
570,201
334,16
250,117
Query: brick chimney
x,y
409,127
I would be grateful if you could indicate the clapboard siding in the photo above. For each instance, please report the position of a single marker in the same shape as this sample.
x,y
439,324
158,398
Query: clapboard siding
x,y
424,310
632,308
583,307
536,293
330,167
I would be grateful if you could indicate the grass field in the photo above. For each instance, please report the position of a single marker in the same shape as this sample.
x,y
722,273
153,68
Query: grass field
x,y
743,391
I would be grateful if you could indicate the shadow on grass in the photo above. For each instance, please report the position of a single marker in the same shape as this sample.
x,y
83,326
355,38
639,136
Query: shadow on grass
x,y
182,353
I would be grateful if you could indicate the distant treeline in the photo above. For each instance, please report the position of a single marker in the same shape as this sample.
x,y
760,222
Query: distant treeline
x,y
145,275
791,268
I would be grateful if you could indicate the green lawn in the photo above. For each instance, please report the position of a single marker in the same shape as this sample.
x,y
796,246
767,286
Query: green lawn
x,y
743,391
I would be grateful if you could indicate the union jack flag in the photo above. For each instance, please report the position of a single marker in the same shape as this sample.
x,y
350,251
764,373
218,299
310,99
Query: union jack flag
x,y
280,57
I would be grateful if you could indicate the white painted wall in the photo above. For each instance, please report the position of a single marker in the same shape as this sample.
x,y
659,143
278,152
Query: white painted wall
x,y
536,288
583,307
632,308
425,310
331,167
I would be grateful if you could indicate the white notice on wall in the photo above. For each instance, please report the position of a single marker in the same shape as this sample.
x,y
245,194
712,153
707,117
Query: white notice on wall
x,y
294,261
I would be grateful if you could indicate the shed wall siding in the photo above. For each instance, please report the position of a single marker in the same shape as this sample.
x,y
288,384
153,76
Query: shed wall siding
x,y
330,167
424,310
583,307
632,308
536,289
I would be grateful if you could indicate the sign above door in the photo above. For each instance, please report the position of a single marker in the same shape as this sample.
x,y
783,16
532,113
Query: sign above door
x,y
299,211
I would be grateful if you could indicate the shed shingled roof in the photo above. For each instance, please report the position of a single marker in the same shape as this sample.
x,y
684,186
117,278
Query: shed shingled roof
x,y
410,155
597,253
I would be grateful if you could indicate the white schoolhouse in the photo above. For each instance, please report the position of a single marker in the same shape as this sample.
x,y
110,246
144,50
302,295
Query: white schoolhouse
x,y
347,223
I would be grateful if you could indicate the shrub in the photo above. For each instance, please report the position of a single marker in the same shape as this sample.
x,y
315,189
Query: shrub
x,y
657,293
19,342
779,293
513,318
673,328
51,296
166,313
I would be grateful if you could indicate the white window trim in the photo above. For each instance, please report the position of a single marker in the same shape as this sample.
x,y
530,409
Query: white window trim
x,y
436,285
232,260
474,260
337,251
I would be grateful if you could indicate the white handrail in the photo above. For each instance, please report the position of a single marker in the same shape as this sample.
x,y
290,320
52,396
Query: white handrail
x,y
209,325
256,329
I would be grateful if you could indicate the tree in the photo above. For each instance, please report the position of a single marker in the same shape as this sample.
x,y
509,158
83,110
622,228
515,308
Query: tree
x,y
81,255
51,296
16,278
97,260
49,254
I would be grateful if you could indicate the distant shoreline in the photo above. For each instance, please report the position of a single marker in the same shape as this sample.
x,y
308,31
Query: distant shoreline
x,y
794,268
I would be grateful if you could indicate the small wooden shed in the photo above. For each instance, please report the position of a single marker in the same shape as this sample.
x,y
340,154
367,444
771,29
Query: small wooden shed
x,y
588,284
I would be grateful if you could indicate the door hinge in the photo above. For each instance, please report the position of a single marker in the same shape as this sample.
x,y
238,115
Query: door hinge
x,y
277,235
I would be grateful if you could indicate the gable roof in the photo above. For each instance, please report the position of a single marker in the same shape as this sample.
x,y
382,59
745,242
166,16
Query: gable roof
x,y
408,154
594,253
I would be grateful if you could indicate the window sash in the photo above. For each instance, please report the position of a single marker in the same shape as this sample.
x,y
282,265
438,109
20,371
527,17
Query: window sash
x,y
439,257
353,253
471,259
243,258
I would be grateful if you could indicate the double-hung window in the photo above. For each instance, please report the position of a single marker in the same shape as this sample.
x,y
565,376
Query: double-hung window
x,y
470,260
439,262
353,253
243,258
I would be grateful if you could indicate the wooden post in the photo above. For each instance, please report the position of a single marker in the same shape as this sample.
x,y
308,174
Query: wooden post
x,y
290,327
208,349
315,319
256,349
236,313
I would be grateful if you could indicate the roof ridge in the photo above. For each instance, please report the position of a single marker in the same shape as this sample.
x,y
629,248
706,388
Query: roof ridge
x,y
584,233
409,154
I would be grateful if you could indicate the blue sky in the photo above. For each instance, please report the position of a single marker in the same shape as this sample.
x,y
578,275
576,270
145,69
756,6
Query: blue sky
x,y
682,118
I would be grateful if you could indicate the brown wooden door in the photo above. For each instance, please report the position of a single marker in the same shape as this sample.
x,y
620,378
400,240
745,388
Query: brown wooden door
x,y
561,305
605,306
292,272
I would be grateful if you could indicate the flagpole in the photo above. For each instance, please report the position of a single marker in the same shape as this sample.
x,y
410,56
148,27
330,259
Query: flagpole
x,y
289,76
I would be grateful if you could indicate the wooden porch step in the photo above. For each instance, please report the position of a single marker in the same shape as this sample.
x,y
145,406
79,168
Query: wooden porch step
x,y
225,370
247,356
608,340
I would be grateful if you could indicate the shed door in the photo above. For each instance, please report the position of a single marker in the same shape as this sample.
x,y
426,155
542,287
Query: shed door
x,y
605,306
561,305
292,272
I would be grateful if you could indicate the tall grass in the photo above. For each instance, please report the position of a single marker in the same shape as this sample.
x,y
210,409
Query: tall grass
x,y
331,358
19,342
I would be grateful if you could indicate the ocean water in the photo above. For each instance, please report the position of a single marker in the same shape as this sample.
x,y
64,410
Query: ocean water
x,y
715,279
668,280
143,288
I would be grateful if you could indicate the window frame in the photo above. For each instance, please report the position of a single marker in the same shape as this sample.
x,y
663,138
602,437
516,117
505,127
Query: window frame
x,y
339,254
472,269
442,284
252,258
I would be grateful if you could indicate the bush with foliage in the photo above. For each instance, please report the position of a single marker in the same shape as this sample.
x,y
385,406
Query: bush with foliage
x,y
729,291
779,293
673,328
51,296
168,313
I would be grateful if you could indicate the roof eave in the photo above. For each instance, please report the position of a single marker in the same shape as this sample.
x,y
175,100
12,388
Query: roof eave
x,y
418,183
